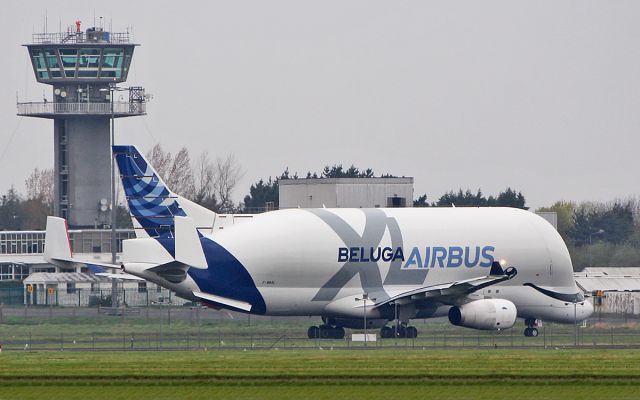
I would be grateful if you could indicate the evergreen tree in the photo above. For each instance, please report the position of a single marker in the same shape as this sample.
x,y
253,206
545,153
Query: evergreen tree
x,y
261,193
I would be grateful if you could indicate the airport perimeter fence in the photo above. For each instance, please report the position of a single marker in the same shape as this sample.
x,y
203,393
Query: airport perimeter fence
x,y
71,296
37,328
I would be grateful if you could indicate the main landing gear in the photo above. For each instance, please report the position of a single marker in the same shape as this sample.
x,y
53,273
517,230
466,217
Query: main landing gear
x,y
532,327
325,332
409,332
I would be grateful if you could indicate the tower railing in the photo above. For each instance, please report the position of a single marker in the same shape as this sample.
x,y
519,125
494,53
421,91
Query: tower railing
x,y
78,37
54,108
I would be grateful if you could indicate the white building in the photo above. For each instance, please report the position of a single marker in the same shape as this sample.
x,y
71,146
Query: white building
x,y
345,192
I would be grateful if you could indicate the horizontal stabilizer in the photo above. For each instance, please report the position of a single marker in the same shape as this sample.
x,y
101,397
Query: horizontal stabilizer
x,y
126,277
225,301
188,247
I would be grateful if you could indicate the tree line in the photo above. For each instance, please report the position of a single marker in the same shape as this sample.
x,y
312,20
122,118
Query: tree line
x,y
605,234
506,198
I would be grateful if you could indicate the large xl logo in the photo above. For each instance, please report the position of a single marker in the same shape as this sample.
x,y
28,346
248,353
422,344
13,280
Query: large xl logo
x,y
376,223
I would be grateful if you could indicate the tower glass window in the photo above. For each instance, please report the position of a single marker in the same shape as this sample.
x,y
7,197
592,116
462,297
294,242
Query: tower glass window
x,y
127,60
112,63
52,61
39,64
69,59
88,63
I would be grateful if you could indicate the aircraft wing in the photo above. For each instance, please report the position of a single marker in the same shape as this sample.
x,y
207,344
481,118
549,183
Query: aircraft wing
x,y
448,293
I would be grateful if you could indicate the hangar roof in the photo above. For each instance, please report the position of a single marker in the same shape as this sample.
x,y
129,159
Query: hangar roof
x,y
346,181
60,277
609,279
611,271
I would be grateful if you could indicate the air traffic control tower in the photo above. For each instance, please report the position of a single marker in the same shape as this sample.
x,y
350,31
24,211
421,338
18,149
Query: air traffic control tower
x,y
82,67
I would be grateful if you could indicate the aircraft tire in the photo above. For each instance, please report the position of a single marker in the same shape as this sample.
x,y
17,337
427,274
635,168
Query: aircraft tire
x,y
313,332
402,331
326,332
338,332
527,332
386,332
412,332
534,332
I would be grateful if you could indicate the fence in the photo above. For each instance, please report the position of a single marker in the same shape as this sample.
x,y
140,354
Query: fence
x,y
54,295
119,108
154,328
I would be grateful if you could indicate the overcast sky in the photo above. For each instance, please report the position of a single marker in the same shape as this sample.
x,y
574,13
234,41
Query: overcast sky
x,y
542,96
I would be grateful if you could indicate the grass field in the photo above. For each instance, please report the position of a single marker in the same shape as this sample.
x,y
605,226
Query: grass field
x,y
323,374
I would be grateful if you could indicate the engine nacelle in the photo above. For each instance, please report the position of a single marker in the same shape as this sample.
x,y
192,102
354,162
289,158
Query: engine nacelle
x,y
486,314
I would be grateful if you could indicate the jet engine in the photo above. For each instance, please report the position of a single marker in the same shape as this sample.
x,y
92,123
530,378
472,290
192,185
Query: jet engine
x,y
486,314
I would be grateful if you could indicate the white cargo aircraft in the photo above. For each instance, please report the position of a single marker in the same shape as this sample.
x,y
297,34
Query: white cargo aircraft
x,y
483,267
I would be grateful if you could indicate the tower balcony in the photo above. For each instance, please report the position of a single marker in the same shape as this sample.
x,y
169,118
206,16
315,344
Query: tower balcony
x,y
62,109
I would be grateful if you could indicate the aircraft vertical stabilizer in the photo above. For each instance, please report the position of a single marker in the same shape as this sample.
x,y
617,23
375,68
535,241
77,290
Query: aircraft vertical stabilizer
x,y
152,204
57,245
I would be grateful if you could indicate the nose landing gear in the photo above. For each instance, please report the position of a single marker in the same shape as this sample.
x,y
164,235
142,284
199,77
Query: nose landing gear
x,y
532,327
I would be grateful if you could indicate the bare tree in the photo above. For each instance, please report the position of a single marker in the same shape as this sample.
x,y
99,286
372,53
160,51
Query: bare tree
x,y
228,174
160,160
175,171
205,176
207,183
180,177
39,186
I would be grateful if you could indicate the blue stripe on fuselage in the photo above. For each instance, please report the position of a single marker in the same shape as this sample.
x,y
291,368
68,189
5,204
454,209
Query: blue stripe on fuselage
x,y
225,275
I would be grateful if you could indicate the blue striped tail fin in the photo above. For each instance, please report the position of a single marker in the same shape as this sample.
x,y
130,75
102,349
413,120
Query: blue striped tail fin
x,y
152,204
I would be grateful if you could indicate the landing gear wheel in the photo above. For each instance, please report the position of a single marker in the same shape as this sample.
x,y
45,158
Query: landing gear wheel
x,y
412,332
531,330
325,332
386,332
313,332
402,331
